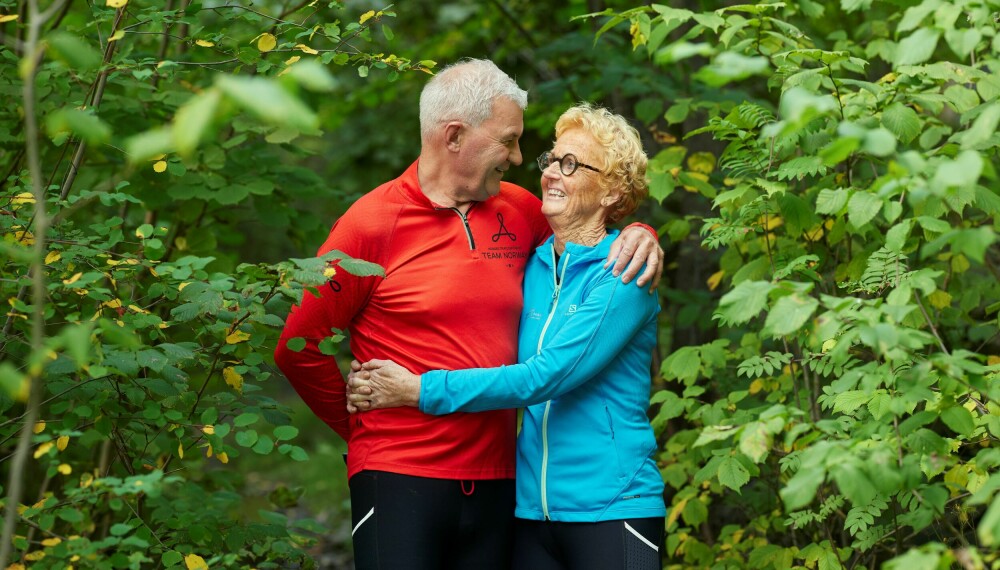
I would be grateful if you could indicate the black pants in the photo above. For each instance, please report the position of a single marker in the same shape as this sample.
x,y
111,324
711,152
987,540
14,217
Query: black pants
x,y
631,544
401,522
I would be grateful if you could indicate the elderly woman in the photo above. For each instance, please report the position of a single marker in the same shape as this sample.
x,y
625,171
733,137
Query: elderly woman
x,y
589,494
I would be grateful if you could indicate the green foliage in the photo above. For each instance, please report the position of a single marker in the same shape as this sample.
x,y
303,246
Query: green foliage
x,y
170,138
845,411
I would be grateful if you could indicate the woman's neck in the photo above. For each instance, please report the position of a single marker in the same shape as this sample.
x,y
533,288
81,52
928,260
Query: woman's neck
x,y
587,236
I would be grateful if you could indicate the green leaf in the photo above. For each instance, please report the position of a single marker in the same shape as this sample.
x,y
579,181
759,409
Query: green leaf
x,y
85,125
831,202
247,438
879,142
959,419
313,75
755,441
733,474
744,302
285,433
683,364
862,208
853,483
789,315
268,101
192,122
74,51
361,268
172,558
297,344
850,400
983,128
264,445
989,525
918,47
245,419
801,489
145,146
880,405
902,121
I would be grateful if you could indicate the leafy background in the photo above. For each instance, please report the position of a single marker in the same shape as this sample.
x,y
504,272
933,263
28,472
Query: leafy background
x,y
823,176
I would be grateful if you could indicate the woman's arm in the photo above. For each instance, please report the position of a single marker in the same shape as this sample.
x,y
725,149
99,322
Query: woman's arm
x,y
586,344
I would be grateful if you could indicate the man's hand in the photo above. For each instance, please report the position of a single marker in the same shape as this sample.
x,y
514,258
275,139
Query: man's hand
x,y
634,247
381,384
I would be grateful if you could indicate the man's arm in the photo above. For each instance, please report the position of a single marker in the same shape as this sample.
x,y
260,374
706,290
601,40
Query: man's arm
x,y
314,375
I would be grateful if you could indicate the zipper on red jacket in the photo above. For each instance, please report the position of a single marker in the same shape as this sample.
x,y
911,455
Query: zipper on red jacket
x,y
465,222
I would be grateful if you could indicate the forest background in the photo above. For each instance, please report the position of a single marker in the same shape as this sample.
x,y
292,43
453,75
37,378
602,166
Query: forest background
x,y
823,178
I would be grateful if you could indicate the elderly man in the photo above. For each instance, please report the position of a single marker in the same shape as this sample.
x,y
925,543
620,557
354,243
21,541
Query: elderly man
x,y
435,492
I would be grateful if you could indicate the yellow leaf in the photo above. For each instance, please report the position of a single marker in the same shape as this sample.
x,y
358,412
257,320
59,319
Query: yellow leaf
x,y
195,562
34,556
233,378
8,18
267,42
160,166
715,279
237,337
116,3
43,449
86,480
700,176
209,429
113,304
204,43
16,566
771,222
222,457
959,263
24,198
676,512
814,234
992,360
183,285
180,450
703,162
39,427
292,59
52,257
940,299
756,386
51,541
366,16
62,442
64,469
116,36
306,49
829,343
137,309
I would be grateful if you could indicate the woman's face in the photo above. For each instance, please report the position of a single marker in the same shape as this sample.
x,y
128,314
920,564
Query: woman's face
x,y
575,200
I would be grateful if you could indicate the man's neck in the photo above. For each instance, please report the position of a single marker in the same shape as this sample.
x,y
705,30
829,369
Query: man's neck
x,y
438,189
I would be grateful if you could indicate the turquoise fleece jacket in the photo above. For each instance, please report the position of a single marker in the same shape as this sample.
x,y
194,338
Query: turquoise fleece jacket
x,y
584,453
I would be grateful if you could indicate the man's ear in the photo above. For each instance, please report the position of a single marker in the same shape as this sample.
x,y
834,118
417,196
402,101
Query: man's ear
x,y
453,133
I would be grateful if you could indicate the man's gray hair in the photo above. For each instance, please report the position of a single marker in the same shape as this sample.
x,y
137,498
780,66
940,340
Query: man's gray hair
x,y
465,91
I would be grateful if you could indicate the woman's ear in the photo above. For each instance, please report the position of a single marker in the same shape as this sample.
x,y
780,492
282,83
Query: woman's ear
x,y
611,199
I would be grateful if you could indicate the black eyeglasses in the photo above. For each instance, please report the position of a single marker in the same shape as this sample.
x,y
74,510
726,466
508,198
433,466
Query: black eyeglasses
x,y
567,164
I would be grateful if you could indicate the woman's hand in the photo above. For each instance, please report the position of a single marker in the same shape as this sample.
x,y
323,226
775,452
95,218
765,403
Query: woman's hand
x,y
381,384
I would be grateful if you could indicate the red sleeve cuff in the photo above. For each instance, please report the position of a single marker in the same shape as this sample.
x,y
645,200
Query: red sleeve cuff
x,y
645,227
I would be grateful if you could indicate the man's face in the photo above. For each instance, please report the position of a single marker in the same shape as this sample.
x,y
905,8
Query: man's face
x,y
490,149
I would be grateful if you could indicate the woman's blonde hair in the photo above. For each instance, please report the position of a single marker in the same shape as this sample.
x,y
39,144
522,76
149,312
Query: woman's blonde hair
x,y
625,161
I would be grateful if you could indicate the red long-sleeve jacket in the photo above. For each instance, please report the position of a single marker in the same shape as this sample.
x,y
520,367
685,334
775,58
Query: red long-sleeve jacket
x,y
451,299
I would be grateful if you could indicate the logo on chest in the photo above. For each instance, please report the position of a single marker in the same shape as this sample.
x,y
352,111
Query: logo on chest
x,y
534,315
